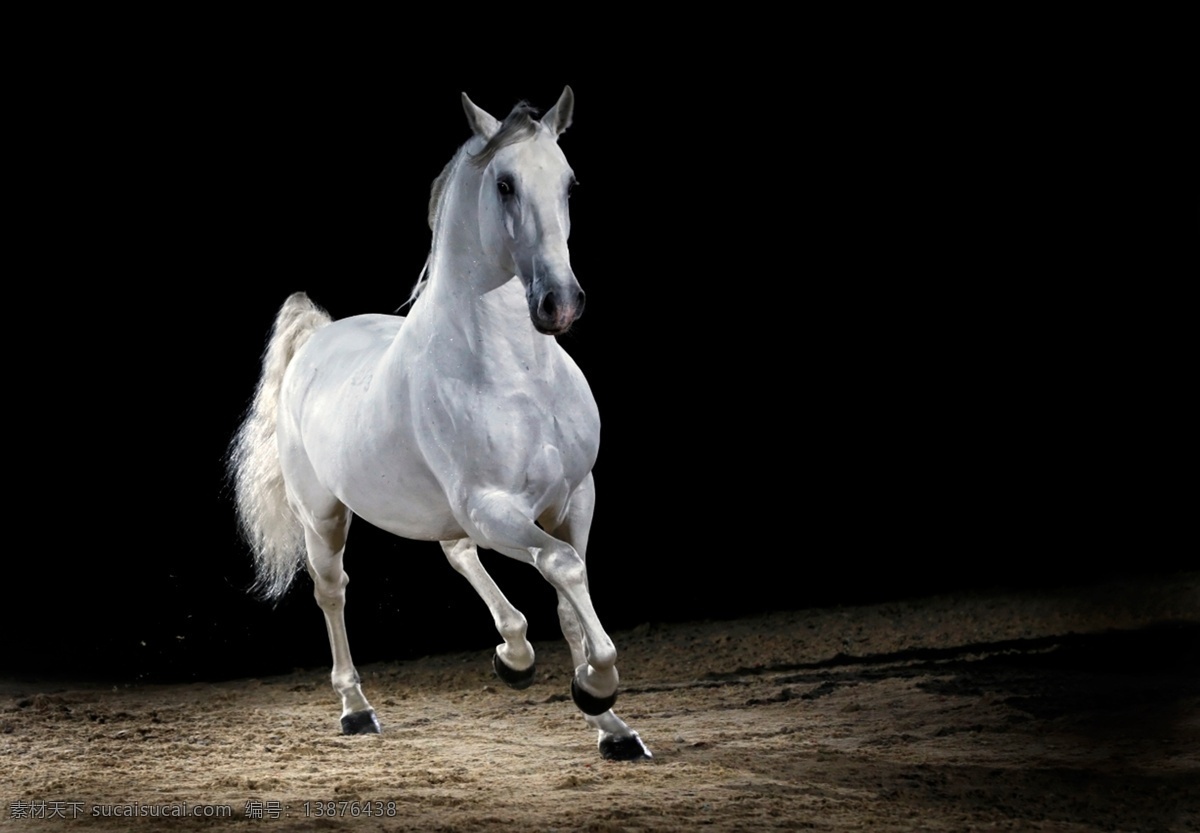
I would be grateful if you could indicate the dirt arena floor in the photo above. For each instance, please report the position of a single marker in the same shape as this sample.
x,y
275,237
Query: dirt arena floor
x,y
1058,710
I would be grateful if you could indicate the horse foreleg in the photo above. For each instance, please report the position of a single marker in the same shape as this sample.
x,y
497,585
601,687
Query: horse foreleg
x,y
325,549
617,741
502,526
514,659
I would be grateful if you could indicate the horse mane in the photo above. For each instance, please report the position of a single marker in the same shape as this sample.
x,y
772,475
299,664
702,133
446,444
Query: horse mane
x,y
437,193
517,125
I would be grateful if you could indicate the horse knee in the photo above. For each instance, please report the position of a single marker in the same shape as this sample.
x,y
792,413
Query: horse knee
x,y
561,566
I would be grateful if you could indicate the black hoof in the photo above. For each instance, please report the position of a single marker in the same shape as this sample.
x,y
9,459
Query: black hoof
x,y
624,749
511,677
589,703
361,723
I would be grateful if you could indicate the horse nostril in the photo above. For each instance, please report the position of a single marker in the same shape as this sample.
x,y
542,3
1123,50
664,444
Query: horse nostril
x,y
579,302
549,307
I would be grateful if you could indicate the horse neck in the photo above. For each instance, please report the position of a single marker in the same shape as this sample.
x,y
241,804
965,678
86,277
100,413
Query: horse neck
x,y
470,307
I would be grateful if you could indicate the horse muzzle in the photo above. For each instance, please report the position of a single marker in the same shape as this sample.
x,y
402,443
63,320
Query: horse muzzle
x,y
553,311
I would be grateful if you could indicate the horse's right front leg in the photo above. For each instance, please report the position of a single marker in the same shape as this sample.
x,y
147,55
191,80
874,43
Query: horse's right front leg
x,y
325,548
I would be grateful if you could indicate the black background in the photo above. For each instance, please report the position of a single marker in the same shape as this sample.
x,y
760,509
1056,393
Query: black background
x,y
841,343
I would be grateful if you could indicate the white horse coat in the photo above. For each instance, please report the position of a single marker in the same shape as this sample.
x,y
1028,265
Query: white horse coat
x,y
464,423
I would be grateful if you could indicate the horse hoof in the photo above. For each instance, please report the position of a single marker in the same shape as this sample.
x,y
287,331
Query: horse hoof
x,y
627,748
589,703
361,723
512,677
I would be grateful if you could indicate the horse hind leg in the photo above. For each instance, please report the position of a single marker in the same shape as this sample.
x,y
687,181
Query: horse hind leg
x,y
514,659
326,542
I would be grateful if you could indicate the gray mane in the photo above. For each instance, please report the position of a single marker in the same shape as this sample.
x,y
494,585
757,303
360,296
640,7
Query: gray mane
x,y
517,125
435,192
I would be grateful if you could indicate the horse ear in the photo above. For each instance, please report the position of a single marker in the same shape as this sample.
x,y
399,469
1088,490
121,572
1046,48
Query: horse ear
x,y
558,117
483,124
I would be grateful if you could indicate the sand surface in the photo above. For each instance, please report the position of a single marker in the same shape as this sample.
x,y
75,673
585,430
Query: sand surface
x,y
1059,710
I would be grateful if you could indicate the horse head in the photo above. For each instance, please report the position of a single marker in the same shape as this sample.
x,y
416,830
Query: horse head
x,y
523,207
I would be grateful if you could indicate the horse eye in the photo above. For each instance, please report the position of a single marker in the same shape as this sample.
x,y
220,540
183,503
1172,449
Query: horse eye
x,y
571,188
504,186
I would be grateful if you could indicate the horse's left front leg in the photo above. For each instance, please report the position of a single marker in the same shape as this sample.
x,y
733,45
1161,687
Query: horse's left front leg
x,y
617,741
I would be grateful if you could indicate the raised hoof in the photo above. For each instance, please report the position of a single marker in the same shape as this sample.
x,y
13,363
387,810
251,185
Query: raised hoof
x,y
630,748
361,723
589,703
511,677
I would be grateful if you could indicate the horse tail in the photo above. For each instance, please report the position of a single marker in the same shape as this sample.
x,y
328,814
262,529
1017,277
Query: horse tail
x,y
274,533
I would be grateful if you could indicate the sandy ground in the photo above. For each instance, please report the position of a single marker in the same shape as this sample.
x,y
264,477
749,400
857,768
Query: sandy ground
x,y
1065,710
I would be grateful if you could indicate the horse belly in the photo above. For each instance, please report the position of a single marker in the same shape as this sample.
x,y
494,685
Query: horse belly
x,y
381,476
407,502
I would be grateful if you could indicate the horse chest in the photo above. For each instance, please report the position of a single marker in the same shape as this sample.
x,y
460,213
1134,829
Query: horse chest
x,y
534,435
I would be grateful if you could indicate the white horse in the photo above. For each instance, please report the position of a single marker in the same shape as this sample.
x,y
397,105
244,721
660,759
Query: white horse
x,y
464,423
